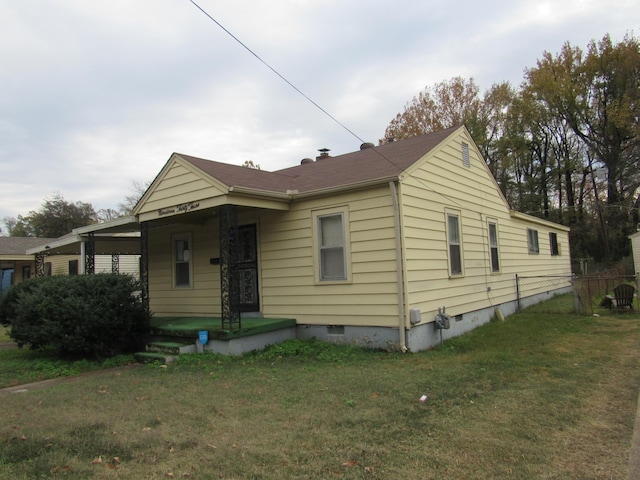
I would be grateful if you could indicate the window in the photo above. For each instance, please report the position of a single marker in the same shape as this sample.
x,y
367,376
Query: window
x,y
73,267
182,261
553,243
465,155
331,244
454,240
532,241
47,269
493,247
26,272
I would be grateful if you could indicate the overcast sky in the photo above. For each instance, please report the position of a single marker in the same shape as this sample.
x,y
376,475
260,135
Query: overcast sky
x,y
95,95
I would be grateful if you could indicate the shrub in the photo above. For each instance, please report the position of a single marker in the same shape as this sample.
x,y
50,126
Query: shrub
x,y
8,301
95,316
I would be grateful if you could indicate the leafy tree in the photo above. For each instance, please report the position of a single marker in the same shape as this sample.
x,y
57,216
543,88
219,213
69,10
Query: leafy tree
x,y
55,218
598,95
564,146
447,104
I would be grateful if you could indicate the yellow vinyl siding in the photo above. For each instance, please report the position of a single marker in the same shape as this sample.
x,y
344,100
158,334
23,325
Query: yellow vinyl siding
x,y
288,268
178,184
439,184
203,298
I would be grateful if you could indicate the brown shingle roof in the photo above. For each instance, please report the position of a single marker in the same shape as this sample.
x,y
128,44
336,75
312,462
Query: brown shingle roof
x,y
363,166
20,245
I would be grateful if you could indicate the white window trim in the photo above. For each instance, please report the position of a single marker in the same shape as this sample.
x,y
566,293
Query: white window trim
x,y
557,251
316,215
455,213
174,260
493,221
533,249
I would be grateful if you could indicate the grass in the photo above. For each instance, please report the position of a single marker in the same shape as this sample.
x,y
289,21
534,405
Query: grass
x,y
4,334
20,366
541,395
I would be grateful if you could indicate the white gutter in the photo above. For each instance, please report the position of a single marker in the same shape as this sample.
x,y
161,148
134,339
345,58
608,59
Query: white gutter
x,y
396,217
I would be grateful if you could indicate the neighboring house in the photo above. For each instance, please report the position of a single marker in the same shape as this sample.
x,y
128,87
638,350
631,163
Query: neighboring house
x,y
15,264
363,248
100,248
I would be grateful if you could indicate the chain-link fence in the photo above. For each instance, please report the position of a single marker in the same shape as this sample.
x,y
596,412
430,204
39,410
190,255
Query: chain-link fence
x,y
592,294
531,290
597,293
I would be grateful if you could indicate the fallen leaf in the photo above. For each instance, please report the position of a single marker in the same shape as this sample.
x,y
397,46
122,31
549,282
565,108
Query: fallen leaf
x,y
23,437
350,463
186,475
375,395
97,461
146,429
116,459
112,466
170,475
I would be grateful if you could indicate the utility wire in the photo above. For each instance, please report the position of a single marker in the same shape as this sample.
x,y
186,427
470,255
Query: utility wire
x,y
275,71
309,99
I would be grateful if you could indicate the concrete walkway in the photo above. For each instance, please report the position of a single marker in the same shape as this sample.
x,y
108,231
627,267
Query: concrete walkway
x,y
42,384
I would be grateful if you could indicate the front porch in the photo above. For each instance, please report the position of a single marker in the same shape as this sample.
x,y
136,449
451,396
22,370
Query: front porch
x,y
171,336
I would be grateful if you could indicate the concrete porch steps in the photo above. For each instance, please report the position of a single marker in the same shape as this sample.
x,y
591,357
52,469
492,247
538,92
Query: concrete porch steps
x,y
170,337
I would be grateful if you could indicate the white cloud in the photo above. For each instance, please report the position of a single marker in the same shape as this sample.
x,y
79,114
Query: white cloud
x,y
94,95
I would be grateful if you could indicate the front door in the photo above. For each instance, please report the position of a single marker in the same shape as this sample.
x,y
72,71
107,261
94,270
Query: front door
x,y
248,268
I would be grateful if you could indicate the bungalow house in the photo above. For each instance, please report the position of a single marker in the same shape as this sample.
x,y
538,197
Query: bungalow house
x,y
99,248
371,247
15,264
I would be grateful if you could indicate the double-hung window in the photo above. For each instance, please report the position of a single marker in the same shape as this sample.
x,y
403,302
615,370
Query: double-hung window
x,y
553,243
532,241
493,246
454,241
331,243
182,255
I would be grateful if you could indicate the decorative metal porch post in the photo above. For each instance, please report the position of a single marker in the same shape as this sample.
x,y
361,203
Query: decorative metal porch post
x,y
229,278
115,263
39,264
144,262
90,255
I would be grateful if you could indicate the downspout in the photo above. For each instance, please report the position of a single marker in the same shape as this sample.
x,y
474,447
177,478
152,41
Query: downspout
x,y
396,217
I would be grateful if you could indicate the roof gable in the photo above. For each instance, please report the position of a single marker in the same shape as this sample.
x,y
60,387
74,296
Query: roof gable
x,y
351,169
178,183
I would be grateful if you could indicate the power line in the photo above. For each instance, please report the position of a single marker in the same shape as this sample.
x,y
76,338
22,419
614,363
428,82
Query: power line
x,y
309,99
282,77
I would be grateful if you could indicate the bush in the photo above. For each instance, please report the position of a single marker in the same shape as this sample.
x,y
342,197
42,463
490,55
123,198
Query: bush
x,y
8,301
95,316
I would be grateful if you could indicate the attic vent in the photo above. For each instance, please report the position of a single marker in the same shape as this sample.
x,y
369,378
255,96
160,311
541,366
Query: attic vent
x,y
366,145
465,154
305,161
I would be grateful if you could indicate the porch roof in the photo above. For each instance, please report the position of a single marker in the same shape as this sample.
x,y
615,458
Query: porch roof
x,y
120,236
